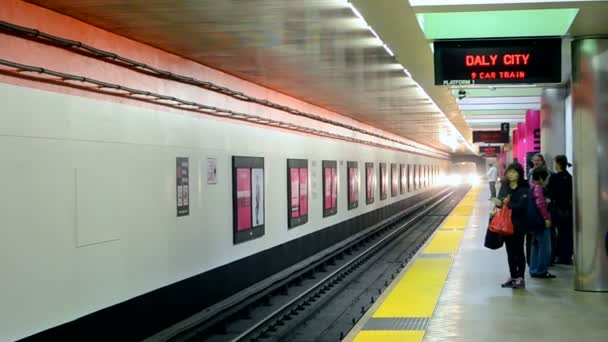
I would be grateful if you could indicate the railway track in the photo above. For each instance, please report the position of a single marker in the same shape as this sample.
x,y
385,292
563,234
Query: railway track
x,y
323,301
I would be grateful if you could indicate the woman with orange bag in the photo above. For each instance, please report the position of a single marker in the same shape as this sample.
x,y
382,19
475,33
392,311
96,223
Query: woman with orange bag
x,y
514,194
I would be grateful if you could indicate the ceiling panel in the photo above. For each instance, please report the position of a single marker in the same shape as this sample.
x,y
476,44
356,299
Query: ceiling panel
x,y
500,100
495,112
316,50
500,106
589,21
497,24
500,92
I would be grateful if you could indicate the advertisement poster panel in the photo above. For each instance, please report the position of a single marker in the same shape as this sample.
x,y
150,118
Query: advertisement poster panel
x,y
394,180
295,192
330,187
353,185
182,182
257,197
243,198
369,183
383,181
334,187
303,191
327,174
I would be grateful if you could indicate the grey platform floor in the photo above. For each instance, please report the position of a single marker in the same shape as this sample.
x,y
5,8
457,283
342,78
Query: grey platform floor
x,y
473,306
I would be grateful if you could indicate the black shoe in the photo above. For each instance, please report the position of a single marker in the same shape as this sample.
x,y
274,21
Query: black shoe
x,y
508,283
546,275
519,283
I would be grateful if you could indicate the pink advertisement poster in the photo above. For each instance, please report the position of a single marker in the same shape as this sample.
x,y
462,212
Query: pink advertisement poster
x,y
357,180
394,180
369,183
327,191
403,179
295,192
352,197
334,188
243,198
303,191
384,181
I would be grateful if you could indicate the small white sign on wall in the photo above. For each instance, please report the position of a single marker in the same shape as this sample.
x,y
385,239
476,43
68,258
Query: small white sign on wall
x,y
211,171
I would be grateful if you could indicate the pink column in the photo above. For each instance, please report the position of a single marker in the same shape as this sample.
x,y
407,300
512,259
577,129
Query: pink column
x,y
521,144
532,134
533,131
515,145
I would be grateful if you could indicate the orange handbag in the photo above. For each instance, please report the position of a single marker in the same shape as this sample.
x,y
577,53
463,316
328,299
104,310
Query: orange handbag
x,y
501,222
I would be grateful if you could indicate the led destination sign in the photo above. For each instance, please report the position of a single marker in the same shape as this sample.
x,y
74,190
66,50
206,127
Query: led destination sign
x,y
489,151
498,61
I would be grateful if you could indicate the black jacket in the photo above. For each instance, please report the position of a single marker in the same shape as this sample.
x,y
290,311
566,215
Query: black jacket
x,y
518,204
560,192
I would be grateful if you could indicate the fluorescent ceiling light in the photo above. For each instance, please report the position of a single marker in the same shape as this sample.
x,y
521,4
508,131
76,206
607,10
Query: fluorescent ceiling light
x,y
373,32
355,11
390,52
495,117
534,100
523,106
492,120
496,112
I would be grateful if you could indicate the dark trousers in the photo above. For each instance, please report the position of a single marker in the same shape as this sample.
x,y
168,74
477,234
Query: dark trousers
x,y
492,189
529,238
553,244
515,255
565,241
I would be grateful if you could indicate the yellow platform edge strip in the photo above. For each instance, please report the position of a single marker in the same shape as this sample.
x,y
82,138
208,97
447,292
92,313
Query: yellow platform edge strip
x,y
444,242
418,291
456,222
389,336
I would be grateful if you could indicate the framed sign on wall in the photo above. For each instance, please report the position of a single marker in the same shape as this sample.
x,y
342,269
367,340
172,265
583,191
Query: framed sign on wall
x,y
297,192
353,184
370,183
247,198
330,187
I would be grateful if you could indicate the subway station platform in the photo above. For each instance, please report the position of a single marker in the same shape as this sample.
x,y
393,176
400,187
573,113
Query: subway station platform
x,y
451,292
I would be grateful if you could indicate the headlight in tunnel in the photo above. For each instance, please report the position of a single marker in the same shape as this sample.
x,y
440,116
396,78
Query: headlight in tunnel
x,y
473,179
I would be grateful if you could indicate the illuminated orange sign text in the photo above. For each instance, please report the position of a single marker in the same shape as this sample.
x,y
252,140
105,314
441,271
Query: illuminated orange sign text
x,y
492,60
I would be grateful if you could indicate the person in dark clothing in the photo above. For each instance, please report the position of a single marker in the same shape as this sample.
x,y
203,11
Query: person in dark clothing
x,y
514,194
560,192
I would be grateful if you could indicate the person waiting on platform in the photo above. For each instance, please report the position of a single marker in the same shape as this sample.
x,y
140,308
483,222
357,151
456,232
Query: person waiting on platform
x,y
539,224
514,193
538,161
560,191
492,176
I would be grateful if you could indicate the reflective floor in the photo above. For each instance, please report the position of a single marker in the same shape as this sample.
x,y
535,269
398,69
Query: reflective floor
x,y
473,306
